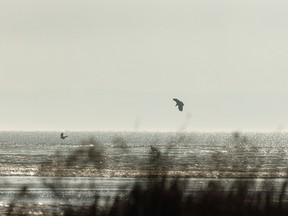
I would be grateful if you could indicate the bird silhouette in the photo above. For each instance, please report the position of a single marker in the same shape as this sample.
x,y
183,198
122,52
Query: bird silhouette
x,y
179,103
62,136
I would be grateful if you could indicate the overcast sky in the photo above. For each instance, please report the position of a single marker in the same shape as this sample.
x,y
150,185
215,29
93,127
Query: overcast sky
x,y
117,65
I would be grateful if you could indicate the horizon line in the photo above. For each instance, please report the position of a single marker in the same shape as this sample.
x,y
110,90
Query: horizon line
x,y
149,130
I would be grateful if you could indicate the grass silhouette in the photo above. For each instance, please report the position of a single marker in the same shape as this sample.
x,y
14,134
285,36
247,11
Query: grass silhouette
x,y
161,194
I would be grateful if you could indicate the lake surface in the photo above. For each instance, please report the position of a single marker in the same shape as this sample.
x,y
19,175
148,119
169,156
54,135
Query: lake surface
x,y
108,163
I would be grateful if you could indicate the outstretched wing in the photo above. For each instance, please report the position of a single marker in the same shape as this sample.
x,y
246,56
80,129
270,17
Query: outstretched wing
x,y
176,100
179,103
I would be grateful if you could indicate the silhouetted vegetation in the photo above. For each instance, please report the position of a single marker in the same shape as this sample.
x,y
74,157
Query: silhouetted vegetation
x,y
162,193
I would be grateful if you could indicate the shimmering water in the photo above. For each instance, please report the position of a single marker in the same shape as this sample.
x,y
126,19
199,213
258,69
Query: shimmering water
x,y
109,162
127,154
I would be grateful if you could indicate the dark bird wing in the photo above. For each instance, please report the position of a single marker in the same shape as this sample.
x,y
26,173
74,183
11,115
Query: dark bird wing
x,y
62,136
177,101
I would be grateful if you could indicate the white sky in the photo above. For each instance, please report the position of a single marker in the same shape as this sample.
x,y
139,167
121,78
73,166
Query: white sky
x,y
116,65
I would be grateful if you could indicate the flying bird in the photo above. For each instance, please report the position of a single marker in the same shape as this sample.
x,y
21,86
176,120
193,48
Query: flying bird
x,y
179,103
62,136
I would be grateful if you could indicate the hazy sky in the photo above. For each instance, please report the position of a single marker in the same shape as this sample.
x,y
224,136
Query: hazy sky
x,y
116,65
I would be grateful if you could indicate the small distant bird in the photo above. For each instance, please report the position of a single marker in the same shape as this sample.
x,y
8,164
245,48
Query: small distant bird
x,y
62,136
179,103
